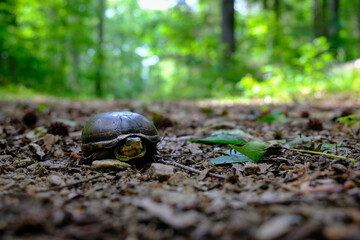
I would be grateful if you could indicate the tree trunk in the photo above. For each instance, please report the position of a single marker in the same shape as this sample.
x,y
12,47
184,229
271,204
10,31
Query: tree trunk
x,y
265,5
74,81
334,25
13,69
276,31
324,16
227,26
100,55
277,9
316,18
358,24
2,75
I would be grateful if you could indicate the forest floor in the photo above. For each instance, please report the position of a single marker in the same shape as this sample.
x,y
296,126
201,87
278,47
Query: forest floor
x,y
46,192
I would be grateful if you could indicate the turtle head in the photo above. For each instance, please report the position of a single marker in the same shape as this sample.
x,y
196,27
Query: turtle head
x,y
130,148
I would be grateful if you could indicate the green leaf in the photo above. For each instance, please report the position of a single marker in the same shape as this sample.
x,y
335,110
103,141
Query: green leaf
x,y
253,150
220,139
236,158
274,117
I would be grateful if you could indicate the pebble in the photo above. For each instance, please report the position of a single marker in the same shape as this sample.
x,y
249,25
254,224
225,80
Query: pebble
x,y
110,164
349,184
339,168
277,226
58,153
5,157
23,162
161,171
178,179
251,169
55,180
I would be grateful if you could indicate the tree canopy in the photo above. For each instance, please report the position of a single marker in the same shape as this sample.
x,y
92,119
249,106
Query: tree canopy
x,y
120,49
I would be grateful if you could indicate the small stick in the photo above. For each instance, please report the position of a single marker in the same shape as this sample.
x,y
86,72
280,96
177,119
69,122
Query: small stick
x,y
321,153
190,169
70,184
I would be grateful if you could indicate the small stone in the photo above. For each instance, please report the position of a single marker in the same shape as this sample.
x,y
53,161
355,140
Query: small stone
x,y
5,157
277,226
110,164
58,153
55,180
32,167
341,231
251,169
339,168
161,171
178,179
349,184
23,162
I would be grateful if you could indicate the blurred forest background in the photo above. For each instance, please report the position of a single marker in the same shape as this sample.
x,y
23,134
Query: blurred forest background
x,y
175,49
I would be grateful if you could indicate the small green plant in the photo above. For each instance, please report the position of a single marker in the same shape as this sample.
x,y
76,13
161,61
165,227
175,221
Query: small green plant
x,y
274,117
348,120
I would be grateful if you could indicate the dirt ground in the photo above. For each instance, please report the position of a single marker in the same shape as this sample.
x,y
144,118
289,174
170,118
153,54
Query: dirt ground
x,y
47,192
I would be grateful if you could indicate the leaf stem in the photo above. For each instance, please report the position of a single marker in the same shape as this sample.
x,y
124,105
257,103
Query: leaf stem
x,y
321,153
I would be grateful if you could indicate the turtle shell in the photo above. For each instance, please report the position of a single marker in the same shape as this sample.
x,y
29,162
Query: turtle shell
x,y
104,131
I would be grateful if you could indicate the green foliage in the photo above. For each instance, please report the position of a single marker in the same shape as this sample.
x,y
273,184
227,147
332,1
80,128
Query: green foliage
x,y
348,120
52,47
220,139
304,74
274,117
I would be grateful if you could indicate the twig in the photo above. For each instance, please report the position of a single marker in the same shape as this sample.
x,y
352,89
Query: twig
x,y
70,184
190,169
321,153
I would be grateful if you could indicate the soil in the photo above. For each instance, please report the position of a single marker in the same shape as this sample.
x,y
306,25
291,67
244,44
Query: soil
x,y
47,191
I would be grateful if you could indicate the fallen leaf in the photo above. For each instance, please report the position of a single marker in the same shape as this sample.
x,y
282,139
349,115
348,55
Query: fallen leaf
x,y
253,150
230,159
37,149
220,139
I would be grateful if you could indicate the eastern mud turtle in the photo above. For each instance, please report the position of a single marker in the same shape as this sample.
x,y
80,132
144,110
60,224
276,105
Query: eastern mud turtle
x,y
125,136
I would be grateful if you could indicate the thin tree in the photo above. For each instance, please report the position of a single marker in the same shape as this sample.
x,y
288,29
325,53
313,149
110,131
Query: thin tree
x,y
316,18
265,4
334,24
324,16
277,11
100,55
227,25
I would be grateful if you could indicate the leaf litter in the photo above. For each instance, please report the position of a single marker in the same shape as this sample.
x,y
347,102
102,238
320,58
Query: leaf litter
x,y
237,183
